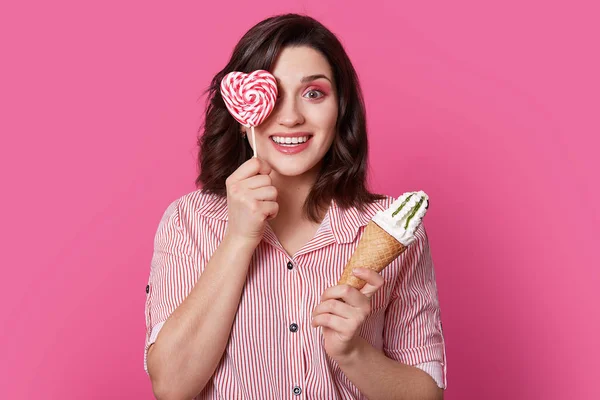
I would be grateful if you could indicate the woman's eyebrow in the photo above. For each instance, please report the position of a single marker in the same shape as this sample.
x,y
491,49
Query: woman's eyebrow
x,y
308,78
311,78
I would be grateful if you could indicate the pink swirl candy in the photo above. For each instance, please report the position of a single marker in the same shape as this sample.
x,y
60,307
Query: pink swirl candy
x,y
250,98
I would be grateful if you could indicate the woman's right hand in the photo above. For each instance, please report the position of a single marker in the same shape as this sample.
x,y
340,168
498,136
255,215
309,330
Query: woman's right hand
x,y
251,200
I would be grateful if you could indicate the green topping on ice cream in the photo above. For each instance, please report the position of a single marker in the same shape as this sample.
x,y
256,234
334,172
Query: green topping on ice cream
x,y
414,211
404,216
402,205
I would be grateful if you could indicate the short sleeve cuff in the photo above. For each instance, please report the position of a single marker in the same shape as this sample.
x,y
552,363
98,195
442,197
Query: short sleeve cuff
x,y
430,358
151,340
436,371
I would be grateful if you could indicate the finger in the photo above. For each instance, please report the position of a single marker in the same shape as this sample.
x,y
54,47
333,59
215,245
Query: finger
x,y
257,181
374,280
252,167
246,170
267,193
335,307
265,168
334,322
269,209
350,295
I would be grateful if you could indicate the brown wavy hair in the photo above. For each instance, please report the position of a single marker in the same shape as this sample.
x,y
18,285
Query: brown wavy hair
x,y
344,169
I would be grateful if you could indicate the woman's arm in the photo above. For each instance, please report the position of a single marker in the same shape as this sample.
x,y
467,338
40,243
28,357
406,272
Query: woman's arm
x,y
193,339
412,330
380,377
369,369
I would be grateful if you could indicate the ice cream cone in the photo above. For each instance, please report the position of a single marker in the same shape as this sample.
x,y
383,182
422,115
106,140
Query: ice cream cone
x,y
376,250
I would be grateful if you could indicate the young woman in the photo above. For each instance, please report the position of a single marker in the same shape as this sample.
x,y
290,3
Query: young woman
x,y
242,301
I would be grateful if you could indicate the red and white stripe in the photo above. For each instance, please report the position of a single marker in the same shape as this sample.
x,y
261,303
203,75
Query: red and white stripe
x,y
250,98
264,359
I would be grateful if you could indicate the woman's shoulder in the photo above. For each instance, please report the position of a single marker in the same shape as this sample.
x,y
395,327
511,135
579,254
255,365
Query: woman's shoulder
x,y
197,202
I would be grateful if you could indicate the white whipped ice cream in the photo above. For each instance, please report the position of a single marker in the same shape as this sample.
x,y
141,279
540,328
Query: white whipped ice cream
x,y
404,216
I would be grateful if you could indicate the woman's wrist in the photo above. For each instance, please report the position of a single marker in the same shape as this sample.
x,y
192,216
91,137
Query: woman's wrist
x,y
238,244
355,355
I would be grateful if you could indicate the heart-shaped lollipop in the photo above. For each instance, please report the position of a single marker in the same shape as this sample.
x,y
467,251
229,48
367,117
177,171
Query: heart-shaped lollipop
x,y
250,98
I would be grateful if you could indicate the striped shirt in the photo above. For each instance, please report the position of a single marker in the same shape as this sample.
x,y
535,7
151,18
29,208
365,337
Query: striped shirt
x,y
273,352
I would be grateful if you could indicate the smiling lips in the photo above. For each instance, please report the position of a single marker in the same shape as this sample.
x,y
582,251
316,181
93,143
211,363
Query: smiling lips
x,y
289,140
291,144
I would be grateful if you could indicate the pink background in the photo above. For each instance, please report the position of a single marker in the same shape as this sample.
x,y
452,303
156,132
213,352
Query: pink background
x,y
490,108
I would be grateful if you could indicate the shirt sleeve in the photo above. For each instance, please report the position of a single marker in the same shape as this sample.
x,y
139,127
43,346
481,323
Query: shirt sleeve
x,y
173,272
413,327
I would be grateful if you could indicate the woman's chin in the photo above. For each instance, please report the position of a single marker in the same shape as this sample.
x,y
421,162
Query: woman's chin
x,y
289,170
291,166
292,169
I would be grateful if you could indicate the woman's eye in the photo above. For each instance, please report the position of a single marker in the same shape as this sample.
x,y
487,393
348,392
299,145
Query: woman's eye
x,y
313,94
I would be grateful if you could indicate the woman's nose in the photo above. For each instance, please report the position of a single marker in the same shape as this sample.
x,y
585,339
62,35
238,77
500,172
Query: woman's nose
x,y
288,112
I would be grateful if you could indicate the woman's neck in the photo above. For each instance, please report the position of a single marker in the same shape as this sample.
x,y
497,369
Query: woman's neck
x,y
291,226
292,193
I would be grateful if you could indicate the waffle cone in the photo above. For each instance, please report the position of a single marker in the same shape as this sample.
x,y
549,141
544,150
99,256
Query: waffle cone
x,y
376,250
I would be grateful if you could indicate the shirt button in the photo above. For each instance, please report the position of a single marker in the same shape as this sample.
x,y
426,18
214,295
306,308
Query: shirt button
x,y
294,327
297,390
290,265
147,288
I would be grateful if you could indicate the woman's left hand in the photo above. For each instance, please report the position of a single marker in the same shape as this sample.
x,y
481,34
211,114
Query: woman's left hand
x,y
341,320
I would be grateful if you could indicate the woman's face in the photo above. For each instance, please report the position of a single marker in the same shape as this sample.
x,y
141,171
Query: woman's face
x,y
301,127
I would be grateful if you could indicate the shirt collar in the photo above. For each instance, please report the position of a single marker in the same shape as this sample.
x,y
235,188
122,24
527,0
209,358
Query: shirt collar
x,y
344,224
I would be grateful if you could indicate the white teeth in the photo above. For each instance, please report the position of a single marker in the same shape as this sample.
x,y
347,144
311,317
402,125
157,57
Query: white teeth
x,y
289,140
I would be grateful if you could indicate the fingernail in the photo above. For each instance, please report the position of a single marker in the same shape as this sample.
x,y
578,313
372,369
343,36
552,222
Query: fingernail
x,y
357,271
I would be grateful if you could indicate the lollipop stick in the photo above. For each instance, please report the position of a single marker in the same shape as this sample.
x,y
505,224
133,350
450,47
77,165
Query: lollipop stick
x,y
253,142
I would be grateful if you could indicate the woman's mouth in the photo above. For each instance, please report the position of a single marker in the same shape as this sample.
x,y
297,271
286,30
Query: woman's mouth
x,y
290,144
289,141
